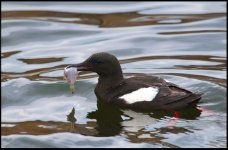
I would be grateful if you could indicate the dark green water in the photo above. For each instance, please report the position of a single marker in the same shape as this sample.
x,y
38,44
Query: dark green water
x,y
183,42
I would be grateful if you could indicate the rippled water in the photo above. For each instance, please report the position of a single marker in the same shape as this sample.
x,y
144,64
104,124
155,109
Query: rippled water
x,y
183,42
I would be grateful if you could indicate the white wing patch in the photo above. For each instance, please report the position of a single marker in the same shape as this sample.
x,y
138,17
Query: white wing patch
x,y
142,94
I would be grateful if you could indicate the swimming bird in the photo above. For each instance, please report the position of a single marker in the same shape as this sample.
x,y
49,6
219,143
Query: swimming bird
x,y
141,92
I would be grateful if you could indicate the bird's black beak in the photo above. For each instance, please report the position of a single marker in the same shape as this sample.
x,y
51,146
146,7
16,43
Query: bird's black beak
x,y
81,66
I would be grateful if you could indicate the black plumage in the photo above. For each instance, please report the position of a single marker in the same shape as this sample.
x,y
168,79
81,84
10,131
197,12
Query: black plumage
x,y
111,85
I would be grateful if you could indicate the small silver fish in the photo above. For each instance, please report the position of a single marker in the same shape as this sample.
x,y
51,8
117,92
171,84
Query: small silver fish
x,y
70,74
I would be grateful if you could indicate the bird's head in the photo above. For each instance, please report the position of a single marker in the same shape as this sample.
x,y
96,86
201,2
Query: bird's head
x,y
104,64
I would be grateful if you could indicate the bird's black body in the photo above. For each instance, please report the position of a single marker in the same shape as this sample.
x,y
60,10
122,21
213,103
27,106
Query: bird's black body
x,y
170,96
111,86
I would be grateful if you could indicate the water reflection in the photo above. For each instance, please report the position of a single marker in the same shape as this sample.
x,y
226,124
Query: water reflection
x,y
108,118
8,54
126,19
71,118
39,127
41,60
154,137
111,119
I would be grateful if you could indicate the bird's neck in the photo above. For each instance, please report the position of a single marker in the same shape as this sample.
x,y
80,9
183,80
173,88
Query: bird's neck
x,y
108,82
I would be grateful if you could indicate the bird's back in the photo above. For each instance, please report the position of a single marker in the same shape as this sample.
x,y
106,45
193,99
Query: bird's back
x,y
145,92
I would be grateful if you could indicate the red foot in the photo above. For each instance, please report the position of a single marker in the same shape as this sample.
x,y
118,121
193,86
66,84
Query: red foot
x,y
173,120
207,111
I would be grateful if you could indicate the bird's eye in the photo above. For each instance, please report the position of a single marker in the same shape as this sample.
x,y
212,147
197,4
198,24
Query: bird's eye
x,y
96,62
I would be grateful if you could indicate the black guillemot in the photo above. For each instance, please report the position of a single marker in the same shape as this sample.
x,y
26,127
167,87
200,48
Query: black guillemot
x,y
142,92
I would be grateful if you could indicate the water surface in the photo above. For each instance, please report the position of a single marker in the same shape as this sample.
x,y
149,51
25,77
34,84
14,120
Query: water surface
x,y
183,42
